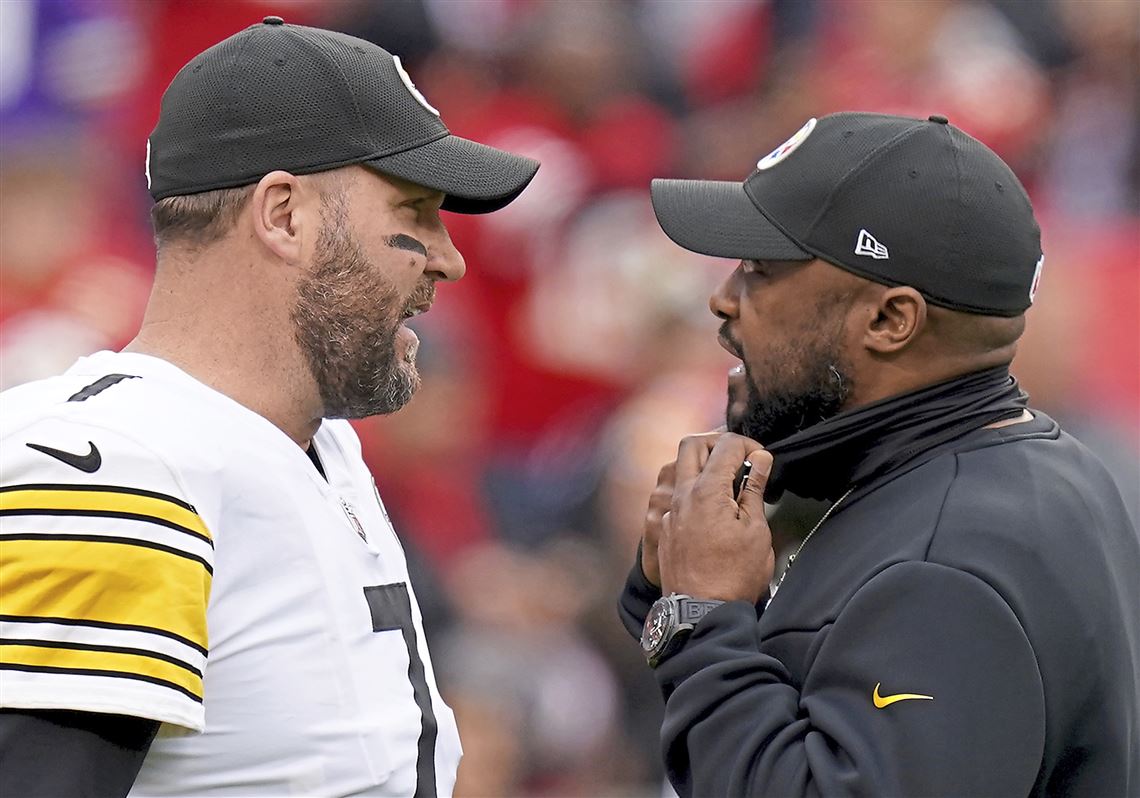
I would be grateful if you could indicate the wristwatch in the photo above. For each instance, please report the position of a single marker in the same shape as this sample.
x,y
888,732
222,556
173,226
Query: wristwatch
x,y
670,621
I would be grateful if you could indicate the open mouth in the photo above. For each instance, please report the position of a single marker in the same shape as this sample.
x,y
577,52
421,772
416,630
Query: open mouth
x,y
420,301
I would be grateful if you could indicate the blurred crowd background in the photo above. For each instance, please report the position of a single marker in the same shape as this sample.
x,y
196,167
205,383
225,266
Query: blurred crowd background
x,y
561,372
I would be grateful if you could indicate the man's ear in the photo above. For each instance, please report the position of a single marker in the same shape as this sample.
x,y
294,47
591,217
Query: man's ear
x,y
285,215
898,318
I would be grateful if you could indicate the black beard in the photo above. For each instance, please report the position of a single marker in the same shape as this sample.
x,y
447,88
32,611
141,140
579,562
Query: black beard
x,y
345,321
815,390
784,412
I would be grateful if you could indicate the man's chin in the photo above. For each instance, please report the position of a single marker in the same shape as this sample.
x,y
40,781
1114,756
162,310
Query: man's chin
x,y
767,427
393,396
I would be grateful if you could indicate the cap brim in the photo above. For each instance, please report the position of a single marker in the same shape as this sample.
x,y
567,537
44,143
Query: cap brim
x,y
476,178
717,218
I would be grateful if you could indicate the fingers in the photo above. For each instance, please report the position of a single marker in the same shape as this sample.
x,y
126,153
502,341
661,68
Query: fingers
x,y
692,454
662,496
723,464
660,501
751,499
727,454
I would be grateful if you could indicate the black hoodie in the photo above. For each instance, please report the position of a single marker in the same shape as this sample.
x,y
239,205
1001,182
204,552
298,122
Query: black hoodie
x,y
967,624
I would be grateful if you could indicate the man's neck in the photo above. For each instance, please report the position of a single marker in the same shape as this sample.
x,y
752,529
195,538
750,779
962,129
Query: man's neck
x,y
1025,416
260,378
223,316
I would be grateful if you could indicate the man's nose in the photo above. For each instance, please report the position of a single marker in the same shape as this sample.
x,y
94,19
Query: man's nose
x,y
444,261
724,301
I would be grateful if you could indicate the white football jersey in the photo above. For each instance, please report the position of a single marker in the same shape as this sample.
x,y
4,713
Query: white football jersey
x,y
167,553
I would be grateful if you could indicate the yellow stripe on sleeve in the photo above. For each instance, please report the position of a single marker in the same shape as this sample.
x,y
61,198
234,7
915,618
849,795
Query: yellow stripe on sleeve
x,y
109,500
109,582
72,660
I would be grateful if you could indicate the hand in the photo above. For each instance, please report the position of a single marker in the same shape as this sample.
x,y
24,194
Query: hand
x,y
660,503
711,545
660,500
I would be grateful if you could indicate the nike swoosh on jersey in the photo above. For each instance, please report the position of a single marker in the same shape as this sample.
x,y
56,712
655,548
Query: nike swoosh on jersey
x,y
89,462
881,701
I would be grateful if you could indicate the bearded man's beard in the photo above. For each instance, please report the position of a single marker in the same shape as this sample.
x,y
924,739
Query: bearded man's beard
x,y
345,321
806,385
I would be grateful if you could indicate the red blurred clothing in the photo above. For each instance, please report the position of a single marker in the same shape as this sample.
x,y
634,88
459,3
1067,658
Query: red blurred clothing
x,y
627,143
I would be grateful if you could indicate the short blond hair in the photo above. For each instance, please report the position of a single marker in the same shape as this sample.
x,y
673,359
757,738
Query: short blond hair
x,y
198,220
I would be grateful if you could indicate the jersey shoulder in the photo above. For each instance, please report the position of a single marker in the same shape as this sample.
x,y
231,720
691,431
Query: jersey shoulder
x,y
107,563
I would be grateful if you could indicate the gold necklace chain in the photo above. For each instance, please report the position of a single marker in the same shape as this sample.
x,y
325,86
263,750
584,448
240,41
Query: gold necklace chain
x,y
803,543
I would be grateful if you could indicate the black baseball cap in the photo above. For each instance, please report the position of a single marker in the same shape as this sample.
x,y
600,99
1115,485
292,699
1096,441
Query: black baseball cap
x,y
278,96
896,200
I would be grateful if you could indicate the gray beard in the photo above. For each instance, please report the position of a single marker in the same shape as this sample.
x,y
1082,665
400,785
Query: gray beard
x,y
345,322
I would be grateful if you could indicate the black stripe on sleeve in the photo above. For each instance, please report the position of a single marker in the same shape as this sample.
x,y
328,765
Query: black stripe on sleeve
x,y
146,544
72,646
130,627
150,494
141,677
150,519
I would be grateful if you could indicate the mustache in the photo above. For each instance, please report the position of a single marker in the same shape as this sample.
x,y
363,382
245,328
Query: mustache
x,y
724,335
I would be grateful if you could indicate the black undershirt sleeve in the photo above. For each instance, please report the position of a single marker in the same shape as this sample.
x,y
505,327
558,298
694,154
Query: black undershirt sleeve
x,y
78,754
636,598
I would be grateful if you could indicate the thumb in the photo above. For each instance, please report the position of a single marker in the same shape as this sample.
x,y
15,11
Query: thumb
x,y
751,498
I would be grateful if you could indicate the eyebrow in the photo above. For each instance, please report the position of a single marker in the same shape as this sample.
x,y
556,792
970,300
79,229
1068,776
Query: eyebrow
x,y
402,241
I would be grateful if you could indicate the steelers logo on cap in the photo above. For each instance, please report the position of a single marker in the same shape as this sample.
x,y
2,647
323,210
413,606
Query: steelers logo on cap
x,y
412,87
788,147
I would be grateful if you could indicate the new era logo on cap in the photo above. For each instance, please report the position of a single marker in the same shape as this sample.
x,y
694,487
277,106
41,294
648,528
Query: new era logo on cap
x,y
867,245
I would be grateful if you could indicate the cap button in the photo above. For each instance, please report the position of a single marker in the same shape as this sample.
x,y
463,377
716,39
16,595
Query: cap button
x,y
939,118
273,20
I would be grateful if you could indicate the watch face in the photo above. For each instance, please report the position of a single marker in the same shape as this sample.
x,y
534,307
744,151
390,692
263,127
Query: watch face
x,y
657,625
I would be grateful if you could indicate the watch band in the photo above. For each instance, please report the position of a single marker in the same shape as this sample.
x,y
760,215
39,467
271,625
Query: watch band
x,y
692,610
670,621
